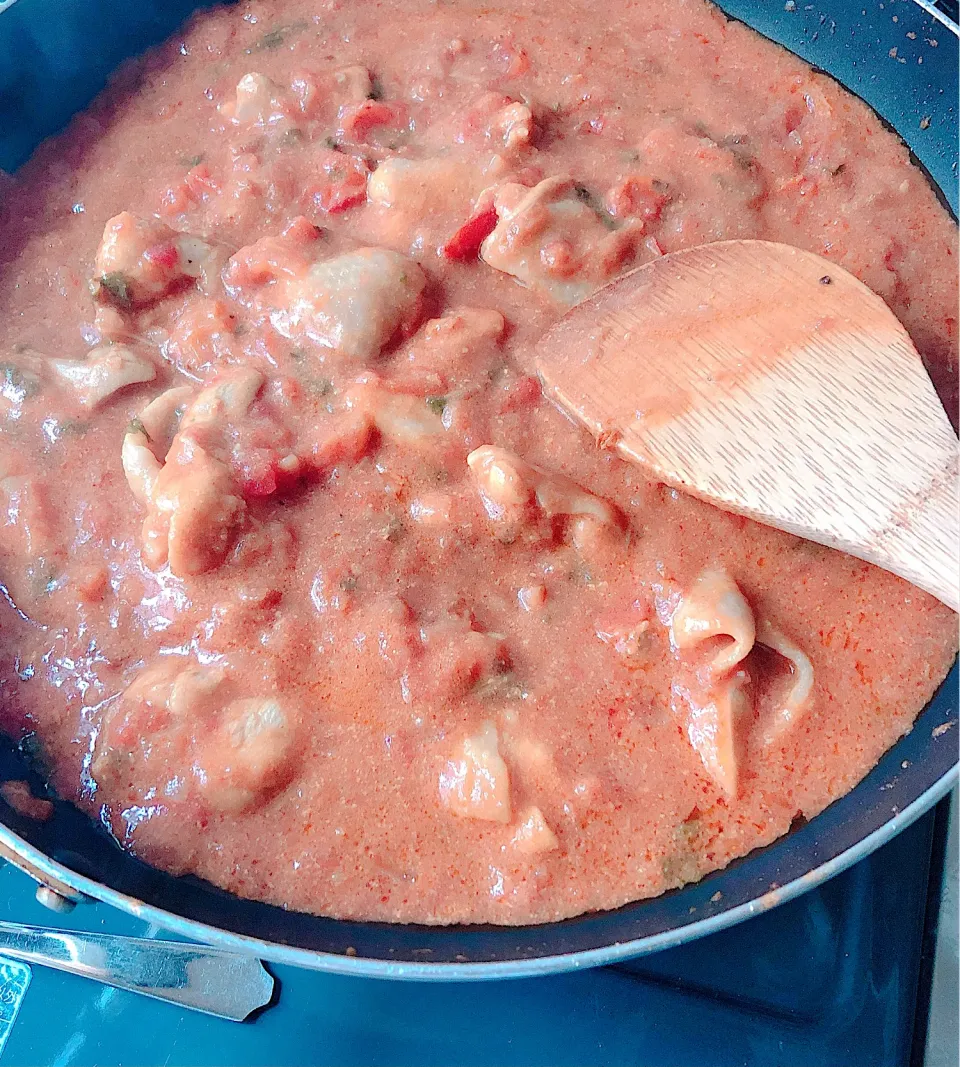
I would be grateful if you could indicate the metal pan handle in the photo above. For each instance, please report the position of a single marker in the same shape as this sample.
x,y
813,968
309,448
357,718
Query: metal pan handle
x,y
205,979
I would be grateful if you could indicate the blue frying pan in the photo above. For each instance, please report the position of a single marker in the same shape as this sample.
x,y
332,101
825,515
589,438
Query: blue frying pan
x,y
54,56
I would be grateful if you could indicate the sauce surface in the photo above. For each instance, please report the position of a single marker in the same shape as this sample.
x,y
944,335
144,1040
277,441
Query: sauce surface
x,y
308,590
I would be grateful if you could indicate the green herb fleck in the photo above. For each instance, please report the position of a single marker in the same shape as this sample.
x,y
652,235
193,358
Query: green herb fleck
x,y
291,136
350,583
376,89
393,531
319,386
275,38
503,686
71,428
332,142
585,196
191,161
437,404
135,425
580,575
16,384
114,288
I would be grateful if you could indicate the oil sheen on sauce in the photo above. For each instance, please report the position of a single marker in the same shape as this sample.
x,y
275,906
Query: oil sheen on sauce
x,y
309,591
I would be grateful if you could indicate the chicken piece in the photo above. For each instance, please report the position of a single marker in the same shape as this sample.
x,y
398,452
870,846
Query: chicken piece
x,y
141,260
423,201
354,304
800,693
533,836
156,719
104,371
463,337
506,482
713,720
404,418
475,784
249,757
202,336
714,607
235,752
227,400
456,657
553,240
258,101
196,507
272,258
195,514
500,121
718,185
148,439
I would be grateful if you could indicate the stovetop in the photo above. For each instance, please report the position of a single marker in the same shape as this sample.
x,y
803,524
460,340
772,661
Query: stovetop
x,y
840,976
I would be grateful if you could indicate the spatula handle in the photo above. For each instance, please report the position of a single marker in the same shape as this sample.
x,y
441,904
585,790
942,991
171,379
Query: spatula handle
x,y
924,547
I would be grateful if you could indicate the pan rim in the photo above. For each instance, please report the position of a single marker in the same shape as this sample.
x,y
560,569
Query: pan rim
x,y
334,963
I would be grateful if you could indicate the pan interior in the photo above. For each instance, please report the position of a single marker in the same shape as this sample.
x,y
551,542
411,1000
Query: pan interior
x,y
849,45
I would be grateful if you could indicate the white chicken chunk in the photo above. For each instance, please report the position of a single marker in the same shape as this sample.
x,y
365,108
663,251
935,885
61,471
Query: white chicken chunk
x,y
475,783
533,835
423,201
105,370
552,240
353,304
148,440
400,417
141,260
800,693
236,751
195,512
506,481
715,607
195,509
257,101
249,756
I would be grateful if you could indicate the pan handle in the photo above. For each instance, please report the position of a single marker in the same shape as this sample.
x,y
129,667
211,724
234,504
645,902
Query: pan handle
x,y
205,979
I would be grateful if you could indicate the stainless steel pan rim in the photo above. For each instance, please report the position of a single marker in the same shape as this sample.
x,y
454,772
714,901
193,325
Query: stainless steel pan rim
x,y
363,968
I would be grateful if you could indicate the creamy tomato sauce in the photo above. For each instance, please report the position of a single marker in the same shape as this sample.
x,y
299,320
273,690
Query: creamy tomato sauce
x,y
308,591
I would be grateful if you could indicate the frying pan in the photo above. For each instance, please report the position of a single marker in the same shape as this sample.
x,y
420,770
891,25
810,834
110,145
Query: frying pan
x,y
54,55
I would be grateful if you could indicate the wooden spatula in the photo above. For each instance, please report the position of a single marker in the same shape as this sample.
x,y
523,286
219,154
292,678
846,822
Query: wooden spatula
x,y
772,383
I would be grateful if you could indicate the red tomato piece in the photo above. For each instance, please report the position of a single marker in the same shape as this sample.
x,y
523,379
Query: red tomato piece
x,y
343,182
164,255
465,243
358,120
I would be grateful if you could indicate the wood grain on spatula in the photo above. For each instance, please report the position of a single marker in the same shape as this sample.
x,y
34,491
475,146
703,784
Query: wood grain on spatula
x,y
772,383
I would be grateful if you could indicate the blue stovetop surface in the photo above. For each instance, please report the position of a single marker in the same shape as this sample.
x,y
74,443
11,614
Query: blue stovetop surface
x,y
832,978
